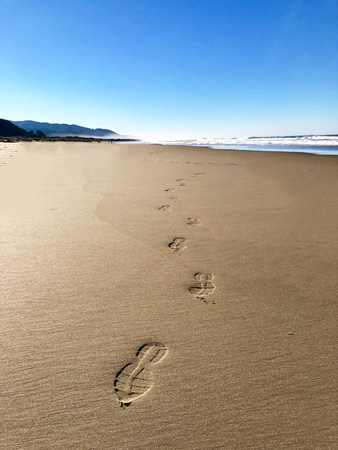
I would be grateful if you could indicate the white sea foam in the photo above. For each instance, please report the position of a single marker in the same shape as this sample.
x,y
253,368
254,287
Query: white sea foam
x,y
318,144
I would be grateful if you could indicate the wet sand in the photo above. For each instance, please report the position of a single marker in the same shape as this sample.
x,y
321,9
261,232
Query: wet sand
x,y
160,297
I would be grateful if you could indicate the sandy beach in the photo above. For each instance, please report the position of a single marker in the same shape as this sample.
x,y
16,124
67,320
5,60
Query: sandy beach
x,y
162,297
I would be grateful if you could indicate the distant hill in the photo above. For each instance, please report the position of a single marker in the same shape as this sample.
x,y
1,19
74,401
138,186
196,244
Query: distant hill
x,y
8,129
63,130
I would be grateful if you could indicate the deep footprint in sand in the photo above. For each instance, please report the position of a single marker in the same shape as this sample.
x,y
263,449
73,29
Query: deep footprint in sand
x,y
135,379
178,244
203,286
193,221
164,208
169,189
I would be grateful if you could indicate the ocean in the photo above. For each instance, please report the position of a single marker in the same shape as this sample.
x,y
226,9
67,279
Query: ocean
x,y
316,144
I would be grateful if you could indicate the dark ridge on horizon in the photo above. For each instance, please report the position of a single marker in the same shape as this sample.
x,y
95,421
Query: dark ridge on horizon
x,y
63,130
9,129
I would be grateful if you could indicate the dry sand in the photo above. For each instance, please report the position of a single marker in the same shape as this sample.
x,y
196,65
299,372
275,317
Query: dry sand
x,y
238,313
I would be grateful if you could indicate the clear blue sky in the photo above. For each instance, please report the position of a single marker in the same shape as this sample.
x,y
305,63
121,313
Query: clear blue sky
x,y
188,68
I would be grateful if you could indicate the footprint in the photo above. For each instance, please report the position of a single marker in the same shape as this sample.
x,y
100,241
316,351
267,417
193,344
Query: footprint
x,y
178,244
164,208
174,197
203,287
180,179
135,379
169,190
193,221
197,174
183,184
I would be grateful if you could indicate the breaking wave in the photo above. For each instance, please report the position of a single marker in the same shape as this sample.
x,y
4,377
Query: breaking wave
x,y
318,144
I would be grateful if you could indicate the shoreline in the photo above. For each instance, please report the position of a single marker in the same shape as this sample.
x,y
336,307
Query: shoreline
x,y
13,139
306,149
